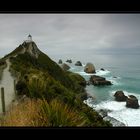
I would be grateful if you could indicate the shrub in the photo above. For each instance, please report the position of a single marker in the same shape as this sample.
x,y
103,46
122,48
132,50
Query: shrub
x,y
59,114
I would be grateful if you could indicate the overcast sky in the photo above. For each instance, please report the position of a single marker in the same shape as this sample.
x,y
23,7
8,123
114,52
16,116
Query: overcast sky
x,y
64,34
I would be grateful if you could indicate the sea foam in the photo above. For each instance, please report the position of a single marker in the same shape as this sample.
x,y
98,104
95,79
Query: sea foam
x,y
101,72
119,111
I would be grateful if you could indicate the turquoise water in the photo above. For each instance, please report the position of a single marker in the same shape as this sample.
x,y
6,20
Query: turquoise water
x,y
123,70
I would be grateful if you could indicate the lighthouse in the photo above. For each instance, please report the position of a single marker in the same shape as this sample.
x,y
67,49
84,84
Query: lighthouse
x,y
29,39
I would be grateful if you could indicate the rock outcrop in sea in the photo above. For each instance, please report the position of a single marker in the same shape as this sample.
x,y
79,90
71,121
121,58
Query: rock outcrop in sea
x,y
89,68
132,102
69,60
115,122
99,81
102,69
119,96
78,63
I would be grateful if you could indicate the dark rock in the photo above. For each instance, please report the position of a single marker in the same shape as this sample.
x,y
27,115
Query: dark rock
x,y
69,61
114,77
65,67
103,112
119,96
114,121
78,63
89,68
132,102
99,81
132,96
102,69
60,61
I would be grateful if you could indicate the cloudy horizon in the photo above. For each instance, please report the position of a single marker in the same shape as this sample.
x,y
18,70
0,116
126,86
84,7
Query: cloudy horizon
x,y
74,34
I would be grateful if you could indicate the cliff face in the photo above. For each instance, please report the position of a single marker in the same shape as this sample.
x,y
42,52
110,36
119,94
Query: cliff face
x,y
31,48
26,47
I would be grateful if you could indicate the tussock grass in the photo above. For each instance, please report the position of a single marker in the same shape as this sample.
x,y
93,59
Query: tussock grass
x,y
59,114
38,112
23,114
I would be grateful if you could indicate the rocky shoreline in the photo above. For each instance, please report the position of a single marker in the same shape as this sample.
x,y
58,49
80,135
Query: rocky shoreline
x,y
104,113
106,117
131,100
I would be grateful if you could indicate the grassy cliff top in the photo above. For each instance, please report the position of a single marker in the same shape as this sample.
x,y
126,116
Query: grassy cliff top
x,y
40,78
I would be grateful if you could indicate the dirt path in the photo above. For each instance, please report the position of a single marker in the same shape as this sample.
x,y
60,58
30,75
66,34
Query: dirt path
x,y
8,83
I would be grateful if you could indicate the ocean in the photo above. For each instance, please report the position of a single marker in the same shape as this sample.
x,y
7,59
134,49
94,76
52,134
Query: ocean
x,y
123,70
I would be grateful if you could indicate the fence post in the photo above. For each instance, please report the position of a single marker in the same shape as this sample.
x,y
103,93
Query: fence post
x,y
15,87
3,100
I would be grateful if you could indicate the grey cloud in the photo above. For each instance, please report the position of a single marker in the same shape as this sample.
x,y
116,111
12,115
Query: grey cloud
x,y
71,33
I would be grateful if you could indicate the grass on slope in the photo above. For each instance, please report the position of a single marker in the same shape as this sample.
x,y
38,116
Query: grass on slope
x,y
38,112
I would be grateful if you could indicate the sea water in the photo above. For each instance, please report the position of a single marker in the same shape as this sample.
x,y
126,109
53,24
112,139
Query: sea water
x,y
123,70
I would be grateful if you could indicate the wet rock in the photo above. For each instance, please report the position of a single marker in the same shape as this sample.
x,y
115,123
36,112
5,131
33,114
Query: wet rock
x,y
119,96
103,112
132,102
114,122
69,61
78,63
99,81
89,68
102,69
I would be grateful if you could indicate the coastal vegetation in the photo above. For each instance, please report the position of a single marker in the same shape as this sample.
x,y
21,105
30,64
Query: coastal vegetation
x,y
54,97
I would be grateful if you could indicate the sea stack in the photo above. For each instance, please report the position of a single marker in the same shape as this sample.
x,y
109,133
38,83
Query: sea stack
x,y
119,96
89,68
132,102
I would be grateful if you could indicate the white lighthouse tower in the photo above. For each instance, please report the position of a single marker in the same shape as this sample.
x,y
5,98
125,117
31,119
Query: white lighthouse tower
x,y
29,39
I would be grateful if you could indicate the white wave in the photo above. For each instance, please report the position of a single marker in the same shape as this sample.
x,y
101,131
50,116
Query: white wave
x,y
101,72
130,117
89,102
72,68
114,81
111,105
119,111
83,65
98,72
84,73
117,77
